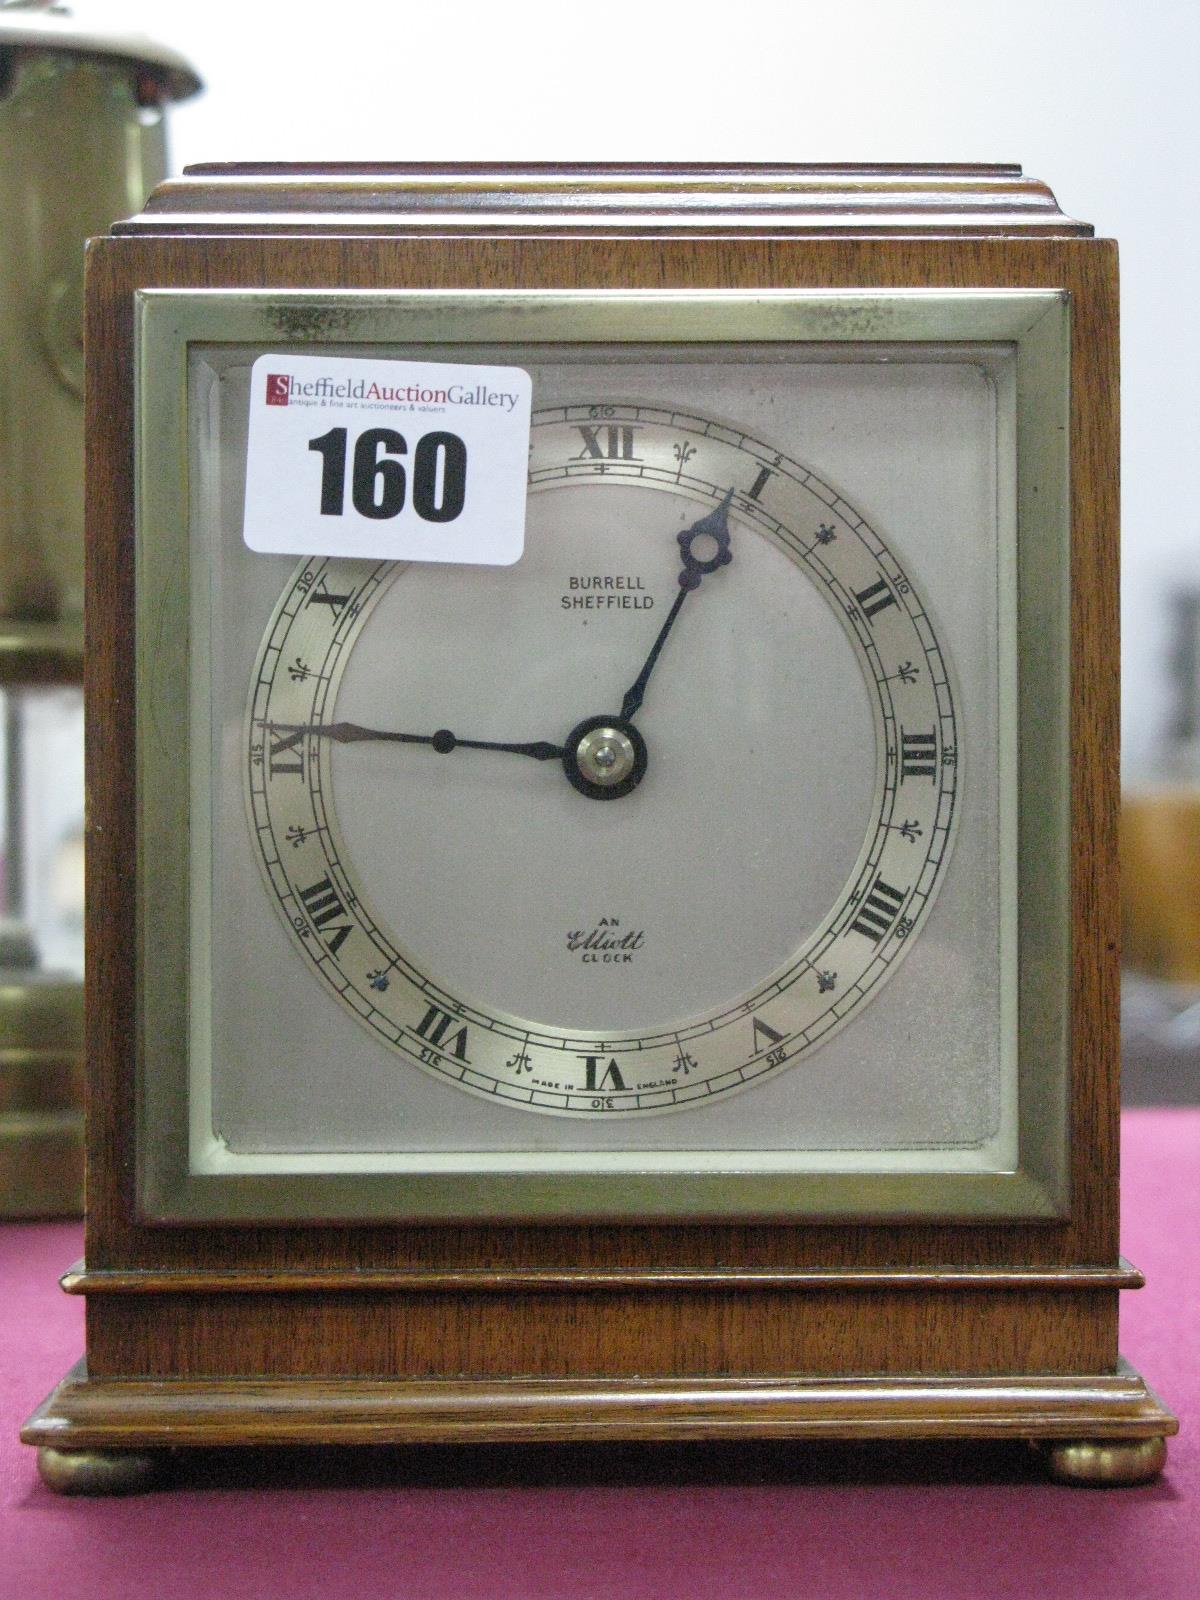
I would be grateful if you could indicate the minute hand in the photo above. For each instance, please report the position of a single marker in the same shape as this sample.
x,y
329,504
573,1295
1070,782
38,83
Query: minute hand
x,y
715,526
443,741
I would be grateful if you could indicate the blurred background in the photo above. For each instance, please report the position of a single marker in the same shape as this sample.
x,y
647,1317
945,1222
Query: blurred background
x,y
1096,97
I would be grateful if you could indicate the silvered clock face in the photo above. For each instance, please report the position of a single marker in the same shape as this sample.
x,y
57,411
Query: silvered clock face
x,y
562,854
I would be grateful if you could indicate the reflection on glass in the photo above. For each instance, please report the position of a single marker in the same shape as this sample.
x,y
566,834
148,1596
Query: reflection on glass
x,y
41,867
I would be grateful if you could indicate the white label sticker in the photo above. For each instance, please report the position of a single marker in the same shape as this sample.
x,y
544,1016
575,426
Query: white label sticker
x,y
390,460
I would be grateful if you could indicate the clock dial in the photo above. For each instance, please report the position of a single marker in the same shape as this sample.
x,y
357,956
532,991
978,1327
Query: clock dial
x,y
635,823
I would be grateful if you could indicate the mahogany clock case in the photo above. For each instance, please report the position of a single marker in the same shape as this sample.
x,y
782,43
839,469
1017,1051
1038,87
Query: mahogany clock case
x,y
289,1329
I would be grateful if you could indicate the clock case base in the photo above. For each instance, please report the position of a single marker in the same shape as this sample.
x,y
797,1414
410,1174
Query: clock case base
x,y
100,1436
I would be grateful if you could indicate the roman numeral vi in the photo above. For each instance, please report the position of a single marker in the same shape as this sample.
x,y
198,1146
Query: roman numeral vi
x,y
595,1080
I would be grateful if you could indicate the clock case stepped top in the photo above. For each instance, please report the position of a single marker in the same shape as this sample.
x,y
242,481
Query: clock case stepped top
x,y
556,200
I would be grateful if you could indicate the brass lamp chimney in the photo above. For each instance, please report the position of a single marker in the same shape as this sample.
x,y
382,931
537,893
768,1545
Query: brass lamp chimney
x,y
82,140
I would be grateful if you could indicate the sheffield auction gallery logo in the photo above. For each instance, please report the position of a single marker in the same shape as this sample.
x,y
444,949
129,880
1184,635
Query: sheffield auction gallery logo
x,y
284,389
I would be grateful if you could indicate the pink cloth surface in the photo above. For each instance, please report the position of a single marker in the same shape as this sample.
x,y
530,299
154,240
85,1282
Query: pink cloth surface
x,y
824,1523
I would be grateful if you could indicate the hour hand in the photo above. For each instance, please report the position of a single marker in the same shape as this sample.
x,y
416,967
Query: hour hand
x,y
443,741
713,528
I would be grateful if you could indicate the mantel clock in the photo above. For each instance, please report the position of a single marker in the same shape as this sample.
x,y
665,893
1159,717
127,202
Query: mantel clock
x,y
651,975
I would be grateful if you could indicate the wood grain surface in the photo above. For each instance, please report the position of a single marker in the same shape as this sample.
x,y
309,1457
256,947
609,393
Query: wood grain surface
x,y
548,198
85,1413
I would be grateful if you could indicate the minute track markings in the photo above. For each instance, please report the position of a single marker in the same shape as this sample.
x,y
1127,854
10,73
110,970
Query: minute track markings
x,y
898,631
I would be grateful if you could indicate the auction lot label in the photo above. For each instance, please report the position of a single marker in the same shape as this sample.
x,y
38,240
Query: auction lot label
x,y
388,460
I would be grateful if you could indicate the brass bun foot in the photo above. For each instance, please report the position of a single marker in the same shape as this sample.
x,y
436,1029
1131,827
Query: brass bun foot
x,y
1106,1463
99,1471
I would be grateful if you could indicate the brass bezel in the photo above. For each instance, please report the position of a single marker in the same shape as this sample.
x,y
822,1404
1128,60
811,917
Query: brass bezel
x,y
1035,322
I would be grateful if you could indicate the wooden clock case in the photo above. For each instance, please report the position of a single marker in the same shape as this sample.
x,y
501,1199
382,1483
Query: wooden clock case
x,y
297,1334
